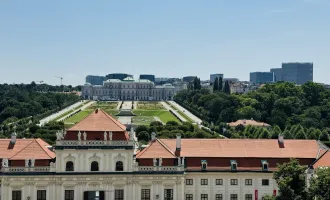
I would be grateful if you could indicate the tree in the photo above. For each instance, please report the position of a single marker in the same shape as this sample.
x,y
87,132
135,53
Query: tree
x,y
226,88
290,179
324,136
276,131
216,85
264,134
220,88
143,136
320,184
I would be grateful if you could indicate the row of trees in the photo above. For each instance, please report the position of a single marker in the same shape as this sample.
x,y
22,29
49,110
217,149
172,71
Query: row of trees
x,y
291,181
171,129
282,104
195,84
218,86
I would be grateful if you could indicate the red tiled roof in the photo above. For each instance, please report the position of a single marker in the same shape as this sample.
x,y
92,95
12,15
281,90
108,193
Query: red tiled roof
x,y
156,149
98,121
247,123
231,148
323,161
25,148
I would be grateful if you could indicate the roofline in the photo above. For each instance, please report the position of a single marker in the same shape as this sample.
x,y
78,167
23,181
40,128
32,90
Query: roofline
x,y
313,163
161,143
43,148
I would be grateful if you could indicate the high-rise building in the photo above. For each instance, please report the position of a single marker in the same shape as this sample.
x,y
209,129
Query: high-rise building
x,y
214,76
120,76
277,74
298,73
149,77
95,80
188,79
261,77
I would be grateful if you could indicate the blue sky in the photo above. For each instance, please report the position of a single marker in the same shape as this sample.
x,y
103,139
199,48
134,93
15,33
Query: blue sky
x,y
169,38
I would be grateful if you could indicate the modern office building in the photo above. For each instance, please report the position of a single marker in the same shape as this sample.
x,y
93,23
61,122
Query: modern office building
x,y
231,80
298,73
261,77
277,74
120,76
128,89
95,80
214,76
188,79
149,77
98,159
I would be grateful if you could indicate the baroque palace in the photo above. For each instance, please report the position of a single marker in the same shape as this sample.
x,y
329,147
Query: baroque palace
x,y
97,159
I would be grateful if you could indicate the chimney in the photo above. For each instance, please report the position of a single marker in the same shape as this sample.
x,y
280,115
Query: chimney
x,y
178,145
281,141
13,138
153,136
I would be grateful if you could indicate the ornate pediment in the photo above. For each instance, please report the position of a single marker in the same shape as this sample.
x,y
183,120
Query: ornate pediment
x,y
69,158
119,157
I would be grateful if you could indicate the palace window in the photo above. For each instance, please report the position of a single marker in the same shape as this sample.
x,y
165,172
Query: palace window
x,y
218,197
233,182
204,164
248,197
189,181
204,197
233,165
218,182
264,164
41,194
119,194
69,166
168,194
204,182
189,197
265,182
119,166
94,166
248,181
69,195
145,194
233,197
16,195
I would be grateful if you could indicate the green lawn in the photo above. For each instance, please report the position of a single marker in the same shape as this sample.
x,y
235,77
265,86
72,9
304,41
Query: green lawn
x,y
181,113
150,106
143,120
163,115
77,117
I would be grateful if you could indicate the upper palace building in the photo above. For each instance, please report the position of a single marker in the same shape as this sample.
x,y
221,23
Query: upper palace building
x,y
98,159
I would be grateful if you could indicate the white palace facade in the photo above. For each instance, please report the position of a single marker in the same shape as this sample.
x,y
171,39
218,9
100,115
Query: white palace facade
x,y
97,159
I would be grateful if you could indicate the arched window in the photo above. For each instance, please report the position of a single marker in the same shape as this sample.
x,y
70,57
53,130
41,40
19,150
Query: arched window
x,y
119,166
95,166
69,166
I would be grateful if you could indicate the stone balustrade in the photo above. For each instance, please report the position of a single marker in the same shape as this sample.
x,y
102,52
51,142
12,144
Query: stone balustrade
x,y
28,169
160,168
94,143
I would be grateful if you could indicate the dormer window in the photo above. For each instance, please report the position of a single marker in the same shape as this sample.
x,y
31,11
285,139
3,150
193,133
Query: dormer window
x,y
233,165
264,164
204,165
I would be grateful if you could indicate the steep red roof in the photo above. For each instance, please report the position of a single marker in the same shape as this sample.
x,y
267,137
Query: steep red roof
x,y
231,148
248,123
98,121
156,149
25,148
323,161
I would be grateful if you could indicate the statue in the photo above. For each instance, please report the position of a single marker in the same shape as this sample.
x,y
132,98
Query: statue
x,y
5,162
105,136
85,135
27,162
182,161
160,161
131,134
32,162
179,163
110,135
59,135
79,135
155,162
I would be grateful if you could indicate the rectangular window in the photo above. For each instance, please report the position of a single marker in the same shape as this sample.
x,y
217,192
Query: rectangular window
x,y
119,194
248,197
189,197
233,182
218,181
16,195
204,197
189,182
218,197
168,194
145,194
265,181
69,195
233,197
204,182
248,181
41,194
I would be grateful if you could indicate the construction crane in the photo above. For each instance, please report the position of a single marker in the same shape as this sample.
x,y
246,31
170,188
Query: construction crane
x,y
59,78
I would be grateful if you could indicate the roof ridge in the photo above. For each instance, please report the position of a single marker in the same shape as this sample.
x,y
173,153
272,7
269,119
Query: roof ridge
x,y
23,148
37,140
80,120
113,119
165,146
145,149
319,157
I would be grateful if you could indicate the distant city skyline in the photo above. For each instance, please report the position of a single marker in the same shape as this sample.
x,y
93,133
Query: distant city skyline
x,y
72,39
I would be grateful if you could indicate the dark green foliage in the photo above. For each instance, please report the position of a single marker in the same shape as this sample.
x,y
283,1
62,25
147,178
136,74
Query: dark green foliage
x,y
216,85
324,136
226,88
320,184
220,87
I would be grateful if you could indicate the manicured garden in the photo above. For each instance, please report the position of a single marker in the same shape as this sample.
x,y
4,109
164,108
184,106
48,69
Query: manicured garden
x,y
149,106
147,116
